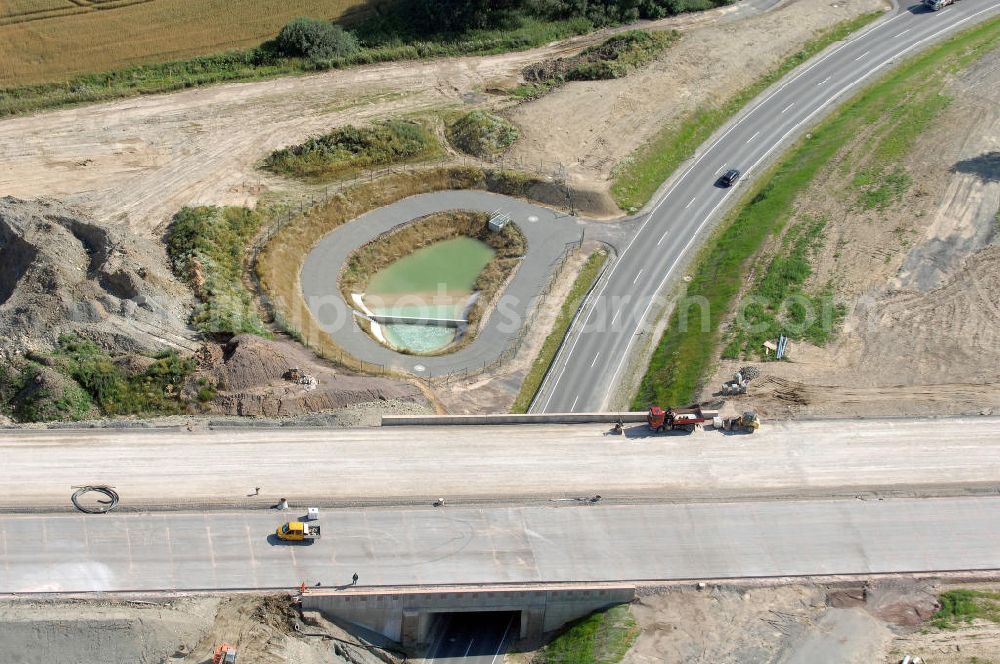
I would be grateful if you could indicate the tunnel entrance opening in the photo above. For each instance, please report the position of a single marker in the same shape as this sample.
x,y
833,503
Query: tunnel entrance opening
x,y
472,636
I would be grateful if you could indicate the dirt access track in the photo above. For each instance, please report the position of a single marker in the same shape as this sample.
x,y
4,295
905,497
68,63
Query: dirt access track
x,y
139,160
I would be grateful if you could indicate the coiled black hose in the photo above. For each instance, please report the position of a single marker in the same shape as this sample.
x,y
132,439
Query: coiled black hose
x,y
106,505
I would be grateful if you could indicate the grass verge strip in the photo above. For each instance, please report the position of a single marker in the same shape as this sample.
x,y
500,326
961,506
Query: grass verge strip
x,y
686,350
647,168
601,638
590,271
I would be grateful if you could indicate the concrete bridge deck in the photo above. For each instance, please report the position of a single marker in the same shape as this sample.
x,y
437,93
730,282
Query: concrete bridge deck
x,y
415,547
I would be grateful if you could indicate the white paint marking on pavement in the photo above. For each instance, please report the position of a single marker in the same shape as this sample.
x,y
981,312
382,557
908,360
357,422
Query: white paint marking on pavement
x,y
469,649
502,639
719,172
901,33
691,203
746,113
637,277
823,81
753,137
615,317
703,155
787,107
775,146
595,358
862,56
662,238
574,403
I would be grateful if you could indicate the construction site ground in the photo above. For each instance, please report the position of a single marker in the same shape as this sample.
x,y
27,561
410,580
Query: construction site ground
x,y
266,629
843,622
919,279
140,160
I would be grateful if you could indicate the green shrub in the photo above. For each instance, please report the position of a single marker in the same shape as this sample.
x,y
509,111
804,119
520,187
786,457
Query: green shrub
x,y
207,393
45,396
350,149
482,134
613,58
157,389
316,40
206,246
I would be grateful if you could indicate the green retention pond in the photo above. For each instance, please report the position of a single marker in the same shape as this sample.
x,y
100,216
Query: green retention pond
x,y
433,282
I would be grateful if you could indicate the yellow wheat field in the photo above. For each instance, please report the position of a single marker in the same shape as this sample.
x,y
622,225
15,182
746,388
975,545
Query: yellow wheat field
x,y
52,40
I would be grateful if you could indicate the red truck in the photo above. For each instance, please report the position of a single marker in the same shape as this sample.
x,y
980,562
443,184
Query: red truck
x,y
687,419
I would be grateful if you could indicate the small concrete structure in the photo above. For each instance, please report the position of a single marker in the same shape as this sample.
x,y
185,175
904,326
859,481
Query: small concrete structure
x,y
407,615
384,319
498,220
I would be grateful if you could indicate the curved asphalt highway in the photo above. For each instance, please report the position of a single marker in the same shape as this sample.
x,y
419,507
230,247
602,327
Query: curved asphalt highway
x,y
594,359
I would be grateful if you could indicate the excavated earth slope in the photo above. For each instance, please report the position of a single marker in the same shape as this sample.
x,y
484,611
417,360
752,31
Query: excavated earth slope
x,y
61,272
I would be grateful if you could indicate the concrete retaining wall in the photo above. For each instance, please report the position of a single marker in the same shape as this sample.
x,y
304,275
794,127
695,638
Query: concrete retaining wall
x,y
406,616
541,418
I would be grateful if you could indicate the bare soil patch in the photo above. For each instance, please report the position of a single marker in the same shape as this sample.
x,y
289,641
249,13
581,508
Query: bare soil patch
x,y
279,378
846,623
919,279
266,629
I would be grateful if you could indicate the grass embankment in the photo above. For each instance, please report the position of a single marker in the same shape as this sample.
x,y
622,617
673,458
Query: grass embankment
x,y
638,177
349,150
616,57
79,380
206,246
964,606
281,260
601,638
508,245
904,102
584,280
481,134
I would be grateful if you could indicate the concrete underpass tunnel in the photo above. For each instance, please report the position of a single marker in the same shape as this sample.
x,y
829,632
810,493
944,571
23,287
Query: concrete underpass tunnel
x,y
471,636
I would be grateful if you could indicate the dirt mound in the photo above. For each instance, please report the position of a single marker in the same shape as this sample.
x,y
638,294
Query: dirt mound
x,y
263,378
898,602
62,273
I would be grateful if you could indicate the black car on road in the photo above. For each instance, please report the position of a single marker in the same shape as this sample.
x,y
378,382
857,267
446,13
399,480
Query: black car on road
x,y
729,178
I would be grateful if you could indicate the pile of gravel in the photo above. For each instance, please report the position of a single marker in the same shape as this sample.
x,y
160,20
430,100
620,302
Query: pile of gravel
x,y
61,272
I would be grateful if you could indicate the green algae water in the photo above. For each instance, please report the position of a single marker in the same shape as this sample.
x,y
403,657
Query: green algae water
x,y
454,263
432,282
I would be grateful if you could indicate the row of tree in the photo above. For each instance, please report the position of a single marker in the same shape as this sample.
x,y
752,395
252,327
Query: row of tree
x,y
409,19
461,15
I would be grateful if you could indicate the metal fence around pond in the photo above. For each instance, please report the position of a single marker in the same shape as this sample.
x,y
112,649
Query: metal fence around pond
x,y
556,171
